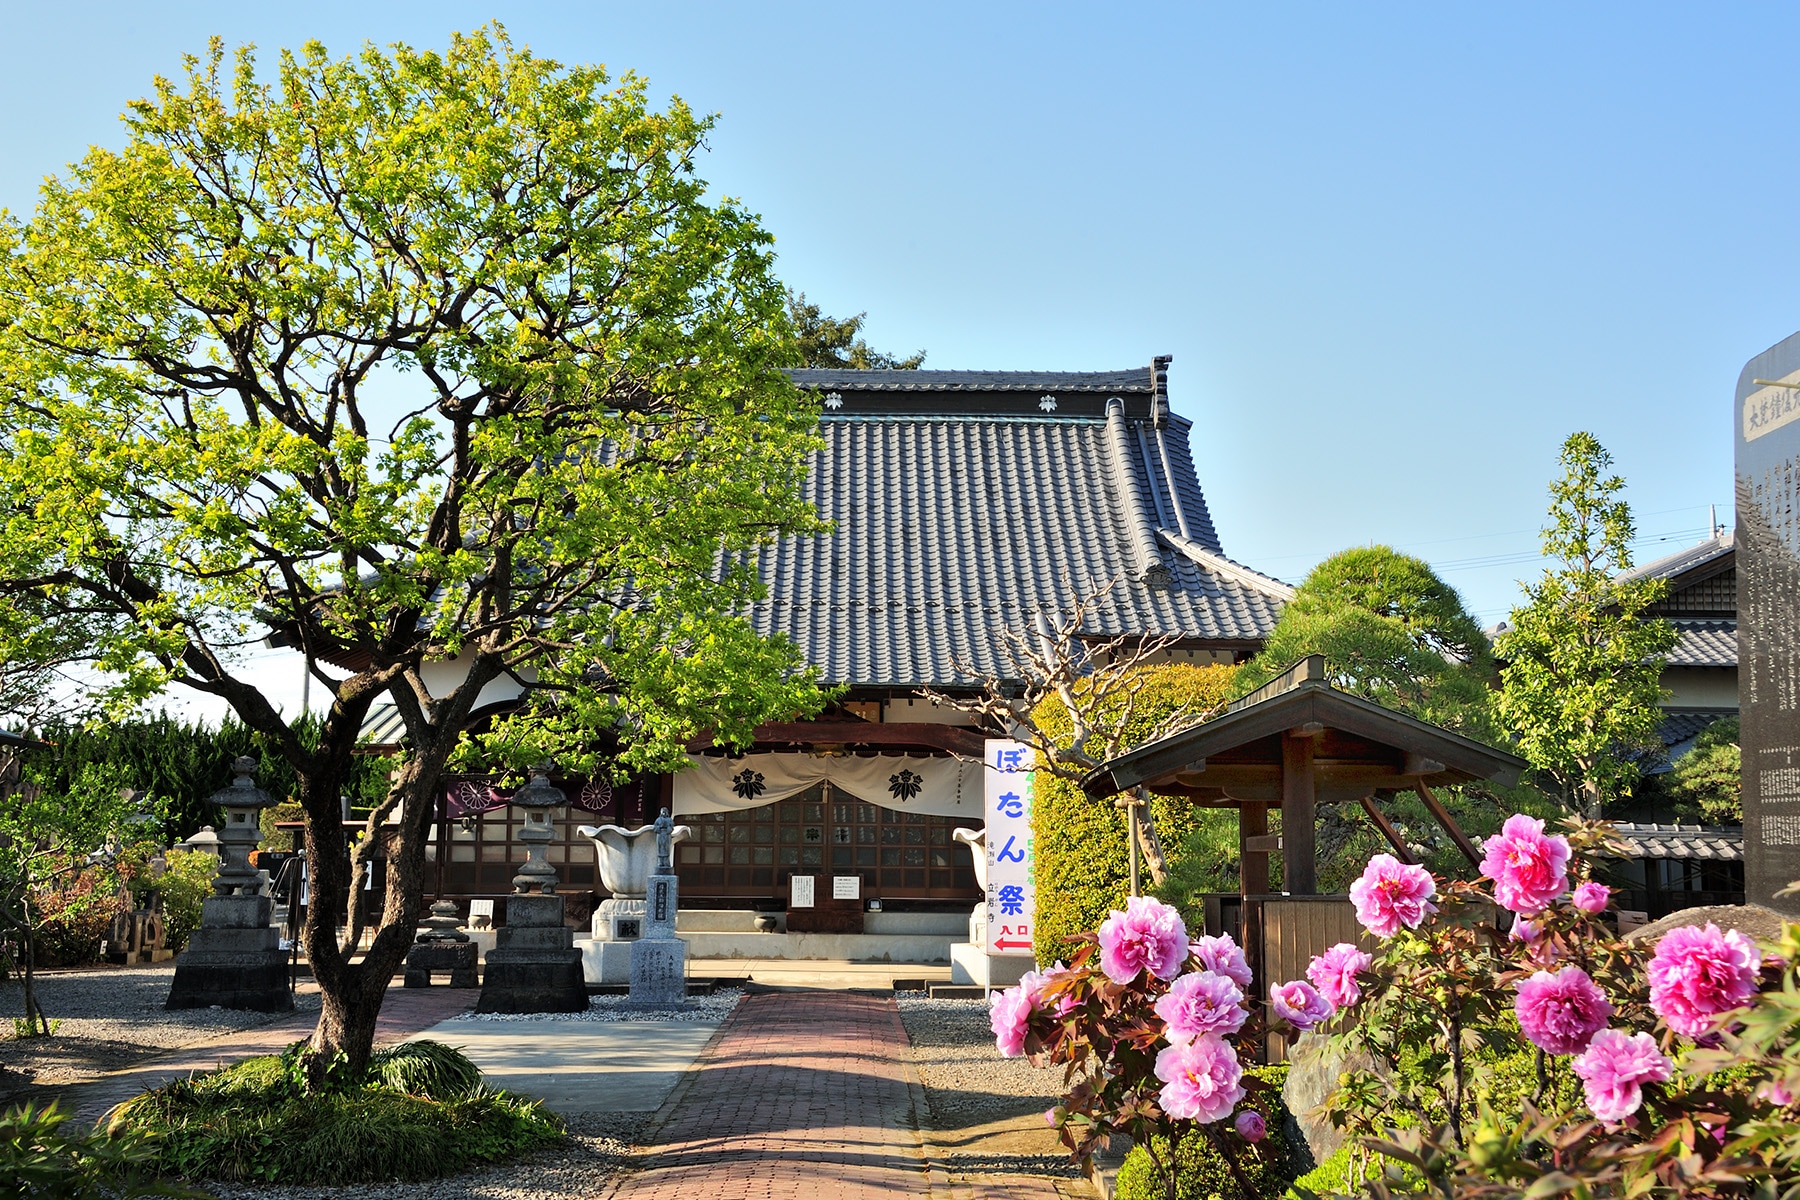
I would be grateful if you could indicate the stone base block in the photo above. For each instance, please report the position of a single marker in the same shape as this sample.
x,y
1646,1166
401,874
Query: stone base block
x,y
236,912
658,973
604,961
257,981
971,964
534,911
456,959
525,981
619,919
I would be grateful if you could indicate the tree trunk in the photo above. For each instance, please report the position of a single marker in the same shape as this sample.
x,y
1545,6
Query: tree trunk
x,y
352,989
35,1021
1149,841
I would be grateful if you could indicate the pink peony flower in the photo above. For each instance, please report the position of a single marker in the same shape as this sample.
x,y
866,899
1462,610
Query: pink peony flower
x,y
1007,1013
1591,897
1529,870
1334,974
1612,1068
1147,936
1050,1116
1065,1004
1560,1013
1776,1092
1696,974
1538,948
1391,894
1200,1079
1299,1004
1221,956
1251,1126
1201,1002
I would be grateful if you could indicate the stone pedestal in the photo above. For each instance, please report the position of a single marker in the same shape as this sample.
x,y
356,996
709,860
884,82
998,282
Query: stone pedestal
x,y
234,960
456,959
659,958
972,965
534,966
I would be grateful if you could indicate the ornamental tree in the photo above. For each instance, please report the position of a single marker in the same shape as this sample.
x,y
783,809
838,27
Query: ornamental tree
x,y
412,357
1580,684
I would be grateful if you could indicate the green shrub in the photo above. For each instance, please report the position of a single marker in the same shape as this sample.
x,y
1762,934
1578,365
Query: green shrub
x,y
426,1068
248,1122
185,886
1201,1174
1346,1172
72,923
1082,861
42,1160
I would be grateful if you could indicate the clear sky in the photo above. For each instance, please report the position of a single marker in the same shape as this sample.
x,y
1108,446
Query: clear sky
x,y
1398,252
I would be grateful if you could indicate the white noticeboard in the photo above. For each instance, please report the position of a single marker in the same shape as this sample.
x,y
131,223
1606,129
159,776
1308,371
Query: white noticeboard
x,y
846,887
802,891
1011,867
481,914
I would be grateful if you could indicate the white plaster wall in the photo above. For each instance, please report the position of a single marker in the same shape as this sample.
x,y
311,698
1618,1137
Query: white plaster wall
x,y
442,677
913,711
1700,687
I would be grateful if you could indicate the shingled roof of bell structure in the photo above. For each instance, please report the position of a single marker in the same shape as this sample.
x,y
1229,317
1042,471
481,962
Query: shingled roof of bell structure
x,y
965,502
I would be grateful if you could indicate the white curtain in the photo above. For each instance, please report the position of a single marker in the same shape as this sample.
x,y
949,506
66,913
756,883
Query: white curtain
x,y
942,787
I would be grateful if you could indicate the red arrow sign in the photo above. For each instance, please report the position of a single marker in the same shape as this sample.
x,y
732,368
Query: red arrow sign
x,y
1003,944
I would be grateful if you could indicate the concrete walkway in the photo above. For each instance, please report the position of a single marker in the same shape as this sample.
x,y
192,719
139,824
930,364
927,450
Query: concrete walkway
x,y
802,1095
579,1067
404,1011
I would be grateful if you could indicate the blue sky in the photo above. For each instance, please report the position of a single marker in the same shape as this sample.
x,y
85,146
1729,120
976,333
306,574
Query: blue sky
x,y
1398,253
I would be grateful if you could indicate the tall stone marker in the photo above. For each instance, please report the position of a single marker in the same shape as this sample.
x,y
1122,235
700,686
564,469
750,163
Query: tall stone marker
x,y
1766,422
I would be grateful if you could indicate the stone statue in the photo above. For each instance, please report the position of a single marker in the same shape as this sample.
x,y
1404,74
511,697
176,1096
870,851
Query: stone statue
x,y
665,828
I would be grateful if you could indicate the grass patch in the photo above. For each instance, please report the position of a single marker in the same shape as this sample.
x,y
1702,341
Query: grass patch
x,y
422,1114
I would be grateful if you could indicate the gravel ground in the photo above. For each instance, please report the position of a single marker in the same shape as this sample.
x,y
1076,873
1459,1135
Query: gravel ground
x,y
715,1007
967,1083
106,1019
575,1168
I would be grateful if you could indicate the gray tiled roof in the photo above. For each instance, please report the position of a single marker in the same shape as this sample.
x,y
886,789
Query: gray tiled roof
x,y
1136,380
950,525
1683,561
1680,725
1718,842
1705,644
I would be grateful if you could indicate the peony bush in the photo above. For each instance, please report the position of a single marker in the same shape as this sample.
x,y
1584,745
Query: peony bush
x,y
1662,1070
1145,1022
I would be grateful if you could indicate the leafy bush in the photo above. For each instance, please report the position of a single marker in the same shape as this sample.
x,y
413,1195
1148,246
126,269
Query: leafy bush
x,y
426,1068
1082,858
249,1122
42,1160
1706,780
1201,1171
185,886
73,922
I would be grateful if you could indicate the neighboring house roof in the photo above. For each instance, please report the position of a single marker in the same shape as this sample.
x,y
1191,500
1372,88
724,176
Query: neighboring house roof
x,y
19,741
965,502
1717,842
1704,644
1718,551
1679,725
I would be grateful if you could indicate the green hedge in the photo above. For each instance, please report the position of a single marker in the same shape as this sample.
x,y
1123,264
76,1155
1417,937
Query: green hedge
x,y
1201,1174
1083,868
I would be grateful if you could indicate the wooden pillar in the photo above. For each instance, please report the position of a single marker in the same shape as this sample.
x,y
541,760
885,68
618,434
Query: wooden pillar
x,y
1253,849
1299,807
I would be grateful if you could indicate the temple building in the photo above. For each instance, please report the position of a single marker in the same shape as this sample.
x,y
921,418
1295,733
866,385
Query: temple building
x,y
961,503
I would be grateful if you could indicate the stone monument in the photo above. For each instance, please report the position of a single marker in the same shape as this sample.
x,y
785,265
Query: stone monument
x,y
627,859
442,949
534,966
659,958
1766,433
235,959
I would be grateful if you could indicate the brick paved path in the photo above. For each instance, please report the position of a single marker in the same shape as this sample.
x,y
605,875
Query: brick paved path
x,y
802,1095
404,1012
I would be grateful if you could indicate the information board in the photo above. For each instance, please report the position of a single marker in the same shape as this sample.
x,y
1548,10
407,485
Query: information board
x,y
1011,865
846,887
1766,427
802,893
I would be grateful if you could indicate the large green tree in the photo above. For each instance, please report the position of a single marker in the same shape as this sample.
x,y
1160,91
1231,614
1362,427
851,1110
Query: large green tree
x,y
832,342
416,357
1391,631
1582,660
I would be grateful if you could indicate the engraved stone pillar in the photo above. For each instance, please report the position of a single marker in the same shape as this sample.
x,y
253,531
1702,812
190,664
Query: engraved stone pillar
x,y
659,958
534,966
235,960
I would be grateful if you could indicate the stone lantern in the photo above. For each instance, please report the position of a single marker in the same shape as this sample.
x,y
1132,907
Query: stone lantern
x,y
534,966
235,960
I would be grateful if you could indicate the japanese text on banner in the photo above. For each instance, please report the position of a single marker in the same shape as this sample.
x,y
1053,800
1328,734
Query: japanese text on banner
x,y
1011,866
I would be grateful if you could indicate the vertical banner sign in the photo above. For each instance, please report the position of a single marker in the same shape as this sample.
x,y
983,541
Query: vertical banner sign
x,y
1011,867
1766,425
